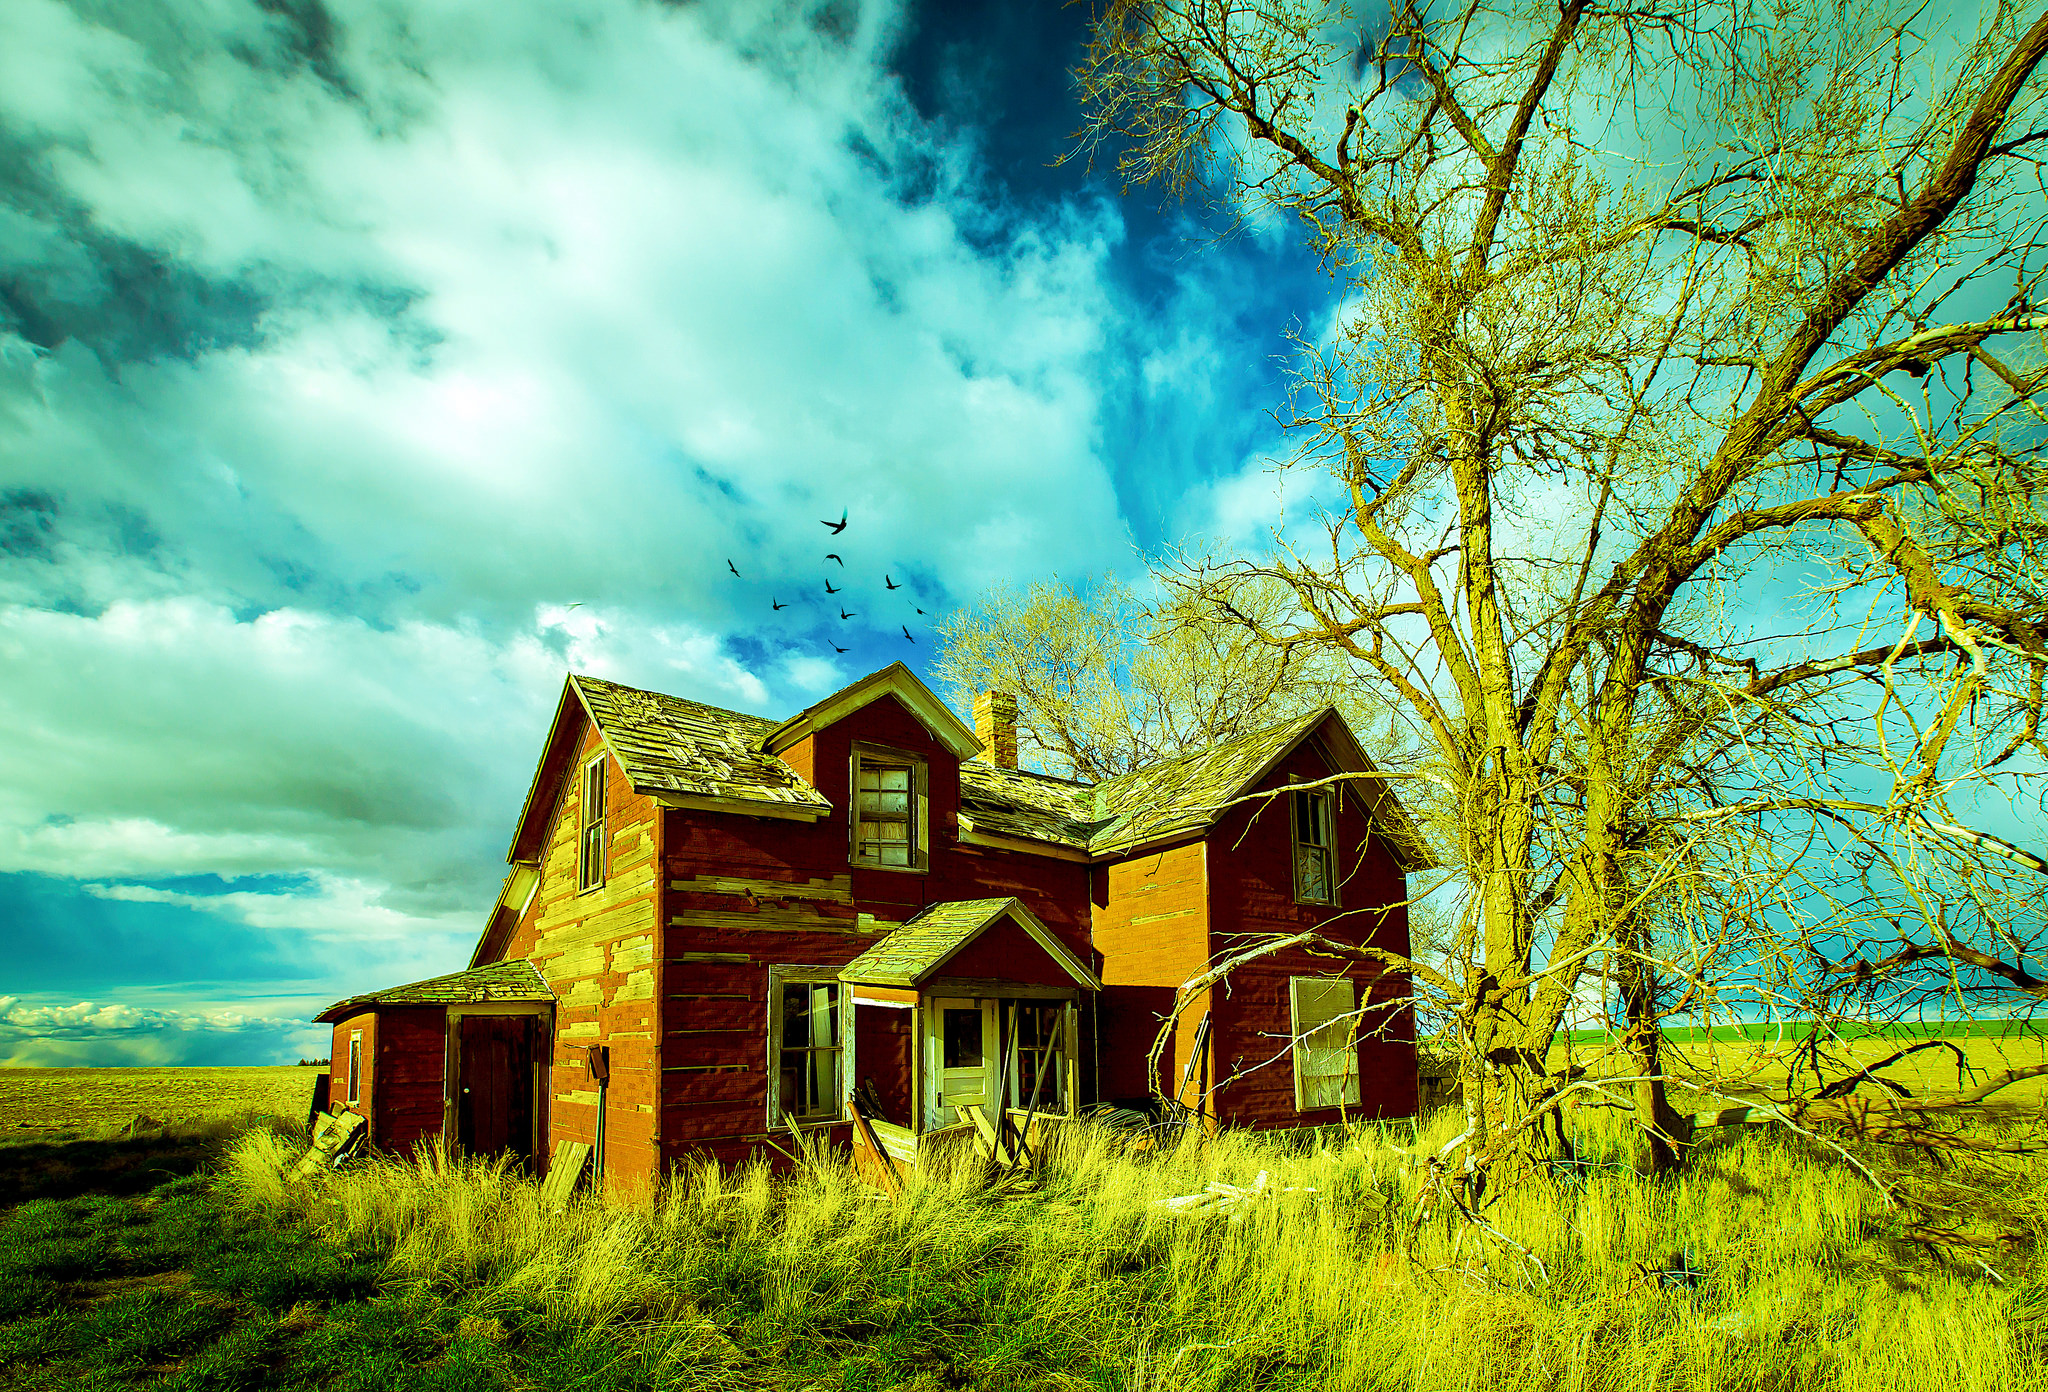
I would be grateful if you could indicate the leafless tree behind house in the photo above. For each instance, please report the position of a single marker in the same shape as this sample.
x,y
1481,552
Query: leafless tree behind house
x,y
1683,408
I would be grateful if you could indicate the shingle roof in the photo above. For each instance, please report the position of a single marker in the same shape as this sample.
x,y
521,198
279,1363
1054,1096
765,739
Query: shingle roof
x,y
926,940
1182,795
1017,802
667,744
921,945
516,980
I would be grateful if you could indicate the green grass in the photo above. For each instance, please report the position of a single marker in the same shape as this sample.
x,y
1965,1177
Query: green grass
x,y
1767,1265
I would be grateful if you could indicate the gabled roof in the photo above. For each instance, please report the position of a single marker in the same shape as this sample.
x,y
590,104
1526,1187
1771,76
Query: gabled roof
x,y
516,980
667,746
1186,795
922,945
894,680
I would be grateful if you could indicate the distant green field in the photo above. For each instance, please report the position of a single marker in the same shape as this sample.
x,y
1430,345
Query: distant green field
x,y
43,1103
1794,1030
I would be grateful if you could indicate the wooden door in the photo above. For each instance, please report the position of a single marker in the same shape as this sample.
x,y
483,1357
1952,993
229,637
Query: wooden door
x,y
494,1110
961,1050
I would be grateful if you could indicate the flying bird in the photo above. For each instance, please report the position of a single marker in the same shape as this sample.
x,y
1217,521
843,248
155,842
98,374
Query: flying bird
x,y
830,588
773,605
890,583
830,557
920,611
837,648
844,615
577,605
906,633
731,567
837,527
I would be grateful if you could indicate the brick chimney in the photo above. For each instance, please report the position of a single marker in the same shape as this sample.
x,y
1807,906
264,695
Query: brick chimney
x,y
995,725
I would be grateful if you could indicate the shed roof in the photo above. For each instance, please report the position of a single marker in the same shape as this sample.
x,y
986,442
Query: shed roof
x,y
922,945
516,980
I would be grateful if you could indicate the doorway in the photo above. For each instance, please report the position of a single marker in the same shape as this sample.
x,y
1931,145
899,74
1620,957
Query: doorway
x,y
494,1107
961,1052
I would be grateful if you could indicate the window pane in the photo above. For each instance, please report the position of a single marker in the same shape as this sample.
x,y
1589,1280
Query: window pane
x,y
963,1038
593,792
1309,820
796,1025
1311,873
896,780
824,1015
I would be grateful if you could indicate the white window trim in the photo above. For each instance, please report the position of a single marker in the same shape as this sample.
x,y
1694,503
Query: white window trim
x,y
780,975
920,813
1323,796
1301,1044
584,882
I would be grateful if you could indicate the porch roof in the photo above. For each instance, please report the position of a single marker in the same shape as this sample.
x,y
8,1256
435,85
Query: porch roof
x,y
922,945
516,980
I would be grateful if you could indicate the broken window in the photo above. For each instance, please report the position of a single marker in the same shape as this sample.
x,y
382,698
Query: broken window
x,y
1038,1075
888,810
590,855
805,1027
1325,1042
355,1066
1315,880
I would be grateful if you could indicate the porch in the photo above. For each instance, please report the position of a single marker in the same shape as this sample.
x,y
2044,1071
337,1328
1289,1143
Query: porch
x,y
964,1035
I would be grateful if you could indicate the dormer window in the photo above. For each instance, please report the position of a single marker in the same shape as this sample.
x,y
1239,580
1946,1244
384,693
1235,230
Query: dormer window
x,y
1315,846
590,849
889,813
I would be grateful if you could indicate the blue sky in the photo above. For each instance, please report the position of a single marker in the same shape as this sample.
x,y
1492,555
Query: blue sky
x,y
365,367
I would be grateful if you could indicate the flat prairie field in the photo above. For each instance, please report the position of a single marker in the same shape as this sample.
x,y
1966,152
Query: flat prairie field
x,y
41,1103
1752,1066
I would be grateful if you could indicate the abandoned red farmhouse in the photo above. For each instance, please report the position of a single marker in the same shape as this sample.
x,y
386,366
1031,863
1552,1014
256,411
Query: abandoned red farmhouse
x,y
758,921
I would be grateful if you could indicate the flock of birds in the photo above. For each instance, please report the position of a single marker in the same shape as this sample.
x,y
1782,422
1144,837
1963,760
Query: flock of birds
x,y
835,528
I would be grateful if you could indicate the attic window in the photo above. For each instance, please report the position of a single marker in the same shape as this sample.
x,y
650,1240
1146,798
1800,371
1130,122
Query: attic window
x,y
889,814
590,852
1315,845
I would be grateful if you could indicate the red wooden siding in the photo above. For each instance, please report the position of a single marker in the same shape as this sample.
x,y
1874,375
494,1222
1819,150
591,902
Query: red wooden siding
x,y
770,890
362,1025
882,1054
1151,927
1252,892
400,1095
598,951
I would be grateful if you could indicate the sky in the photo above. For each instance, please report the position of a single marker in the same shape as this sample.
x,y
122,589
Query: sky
x,y
365,367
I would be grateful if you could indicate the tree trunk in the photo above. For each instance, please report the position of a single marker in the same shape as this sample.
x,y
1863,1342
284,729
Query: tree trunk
x,y
1502,1072
1666,1134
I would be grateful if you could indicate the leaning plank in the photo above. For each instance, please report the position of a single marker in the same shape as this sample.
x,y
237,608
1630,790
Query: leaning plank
x,y
564,1170
891,1180
335,1139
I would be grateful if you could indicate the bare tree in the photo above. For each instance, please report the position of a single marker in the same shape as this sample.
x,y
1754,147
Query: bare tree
x,y
1107,682
1683,403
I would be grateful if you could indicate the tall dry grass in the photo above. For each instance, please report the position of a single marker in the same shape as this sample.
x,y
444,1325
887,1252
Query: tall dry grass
x,y
1769,1264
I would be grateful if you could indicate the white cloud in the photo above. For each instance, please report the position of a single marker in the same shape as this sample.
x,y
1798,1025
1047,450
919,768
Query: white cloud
x,y
92,1034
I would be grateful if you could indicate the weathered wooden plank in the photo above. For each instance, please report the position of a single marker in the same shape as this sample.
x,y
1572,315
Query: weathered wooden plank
x,y
836,889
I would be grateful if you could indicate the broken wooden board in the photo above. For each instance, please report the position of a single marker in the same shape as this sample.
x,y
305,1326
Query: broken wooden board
x,y
565,1169
335,1139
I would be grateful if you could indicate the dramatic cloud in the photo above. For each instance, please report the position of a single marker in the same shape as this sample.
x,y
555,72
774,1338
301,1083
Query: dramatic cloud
x,y
363,369
90,1034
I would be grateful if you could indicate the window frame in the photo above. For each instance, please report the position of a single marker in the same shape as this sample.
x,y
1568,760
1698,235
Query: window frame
x,y
595,771
787,974
919,826
1300,1046
355,1067
1326,799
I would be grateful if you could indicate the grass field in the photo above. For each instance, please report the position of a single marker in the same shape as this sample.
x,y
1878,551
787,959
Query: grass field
x,y
44,1104
1768,1266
